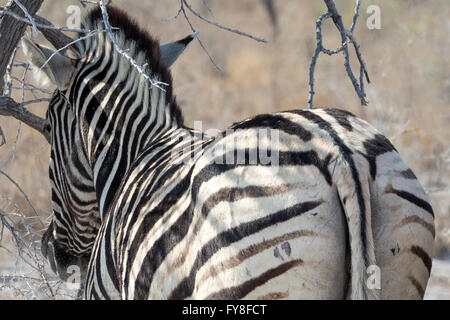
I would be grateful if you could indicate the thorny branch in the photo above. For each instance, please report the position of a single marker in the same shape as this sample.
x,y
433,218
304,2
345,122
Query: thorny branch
x,y
24,194
34,278
121,51
346,37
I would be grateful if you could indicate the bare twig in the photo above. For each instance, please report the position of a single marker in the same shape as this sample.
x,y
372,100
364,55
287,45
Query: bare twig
x,y
319,49
185,4
346,36
24,195
198,38
270,7
222,26
35,101
50,32
205,3
71,43
28,252
355,16
39,25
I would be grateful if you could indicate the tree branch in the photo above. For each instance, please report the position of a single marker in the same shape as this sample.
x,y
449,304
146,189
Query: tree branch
x,y
11,30
121,51
222,26
182,10
184,3
345,34
10,108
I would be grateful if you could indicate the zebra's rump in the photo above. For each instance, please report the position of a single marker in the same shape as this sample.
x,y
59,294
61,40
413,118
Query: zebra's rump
x,y
233,221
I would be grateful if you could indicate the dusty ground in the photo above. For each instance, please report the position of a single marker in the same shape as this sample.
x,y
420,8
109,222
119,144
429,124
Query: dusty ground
x,y
409,96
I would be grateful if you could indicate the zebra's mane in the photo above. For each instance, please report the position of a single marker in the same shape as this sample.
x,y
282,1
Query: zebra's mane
x,y
146,48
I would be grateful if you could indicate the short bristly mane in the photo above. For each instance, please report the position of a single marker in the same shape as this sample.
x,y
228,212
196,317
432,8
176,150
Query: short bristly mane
x,y
137,42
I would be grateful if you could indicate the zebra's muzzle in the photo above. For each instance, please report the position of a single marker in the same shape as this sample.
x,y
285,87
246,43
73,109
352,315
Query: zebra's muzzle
x,y
62,262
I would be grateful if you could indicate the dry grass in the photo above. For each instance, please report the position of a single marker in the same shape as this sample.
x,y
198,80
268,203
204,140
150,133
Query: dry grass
x,y
407,60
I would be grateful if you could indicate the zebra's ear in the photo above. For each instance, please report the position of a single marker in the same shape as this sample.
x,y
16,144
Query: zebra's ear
x,y
51,65
172,50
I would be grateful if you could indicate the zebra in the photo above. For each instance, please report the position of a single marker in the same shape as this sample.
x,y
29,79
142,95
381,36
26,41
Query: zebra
x,y
164,216
79,224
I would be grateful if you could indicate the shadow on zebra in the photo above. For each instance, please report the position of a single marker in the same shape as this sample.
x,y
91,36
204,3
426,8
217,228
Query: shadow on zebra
x,y
299,204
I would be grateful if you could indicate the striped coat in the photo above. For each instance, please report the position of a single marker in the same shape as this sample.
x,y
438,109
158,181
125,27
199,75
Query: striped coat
x,y
298,204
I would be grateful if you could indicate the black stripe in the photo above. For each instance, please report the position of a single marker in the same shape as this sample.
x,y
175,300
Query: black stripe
x,y
137,182
411,198
416,219
375,147
408,174
240,291
162,246
112,154
98,264
275,122
159,251
124,103
418,251
110,265
341,117
78,81
226,238
130,217
417,285
289,158
236,194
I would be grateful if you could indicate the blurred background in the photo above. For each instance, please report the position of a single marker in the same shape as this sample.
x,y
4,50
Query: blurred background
x,y
409,96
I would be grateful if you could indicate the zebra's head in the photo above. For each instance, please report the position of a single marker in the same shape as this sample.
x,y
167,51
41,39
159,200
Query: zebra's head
x,y
69,239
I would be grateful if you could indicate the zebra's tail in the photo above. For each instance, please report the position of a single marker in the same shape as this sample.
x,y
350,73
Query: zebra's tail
x,y
354,193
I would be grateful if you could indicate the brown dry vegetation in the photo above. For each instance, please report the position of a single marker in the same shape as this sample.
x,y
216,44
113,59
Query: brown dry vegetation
x,y
408,61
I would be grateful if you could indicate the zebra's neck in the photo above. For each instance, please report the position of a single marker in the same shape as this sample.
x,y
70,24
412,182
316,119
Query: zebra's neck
x,y
114,140
118,112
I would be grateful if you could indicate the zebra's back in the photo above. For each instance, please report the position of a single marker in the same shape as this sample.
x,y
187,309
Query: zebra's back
x,y
231,223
